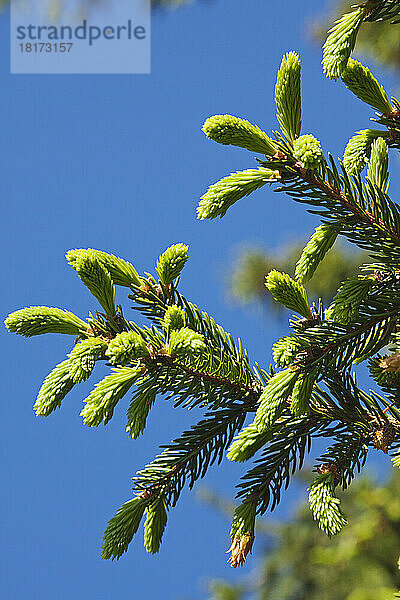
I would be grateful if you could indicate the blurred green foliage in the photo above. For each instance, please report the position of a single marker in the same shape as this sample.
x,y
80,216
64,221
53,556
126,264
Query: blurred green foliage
x,y
302,563
247,280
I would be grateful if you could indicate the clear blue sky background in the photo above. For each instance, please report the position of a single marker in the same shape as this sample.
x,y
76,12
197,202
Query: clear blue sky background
x,y
118,163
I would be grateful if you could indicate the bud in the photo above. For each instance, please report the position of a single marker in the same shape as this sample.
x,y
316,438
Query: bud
x,y
126,347
185,341
384,437
308,151
174,318
242,533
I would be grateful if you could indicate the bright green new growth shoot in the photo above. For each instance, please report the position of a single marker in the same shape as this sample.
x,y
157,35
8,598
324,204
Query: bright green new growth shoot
x,y
121,271
324,506
341,42
185,357
358,149
288,97
37,320
229,130
363,84
288,292
378,168
314,252
220,196
171,263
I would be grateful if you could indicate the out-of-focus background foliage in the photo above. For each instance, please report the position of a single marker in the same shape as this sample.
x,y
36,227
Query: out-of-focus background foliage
x,y
301,563
249,270
377,41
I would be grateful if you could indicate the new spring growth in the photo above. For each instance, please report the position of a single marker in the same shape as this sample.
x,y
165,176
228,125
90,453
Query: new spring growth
x,y
308,151
101,402
174,318
37,320
248,442
171,263
222,195
229,130
363,84
185,341
126,347
288,292
84,356
358,149
272,400
314,252
54,388
121,271
301,395
242,533
156,521
325,507
378,171
121,528
345,306
97,279
138,411
285,351
340,43
288,96
78,367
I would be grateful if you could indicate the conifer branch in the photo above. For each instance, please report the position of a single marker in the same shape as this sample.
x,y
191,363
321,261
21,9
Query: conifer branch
x,y
183,355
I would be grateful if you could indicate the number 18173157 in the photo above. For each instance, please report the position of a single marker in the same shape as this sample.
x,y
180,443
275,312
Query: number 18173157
x,y
46,47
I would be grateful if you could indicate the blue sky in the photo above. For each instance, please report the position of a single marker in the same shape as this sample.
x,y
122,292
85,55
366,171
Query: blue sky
x,y
118,163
